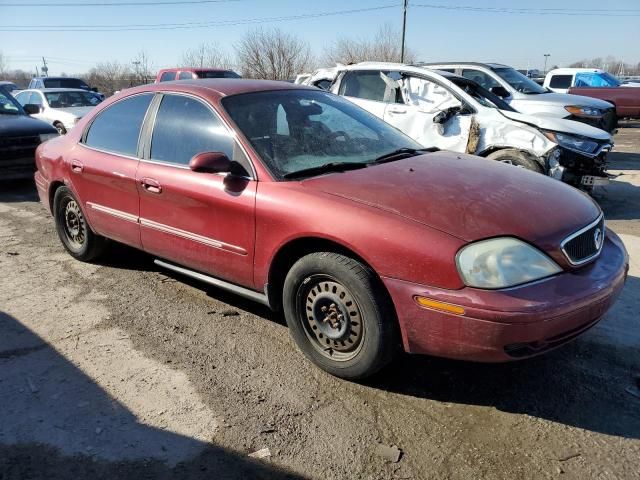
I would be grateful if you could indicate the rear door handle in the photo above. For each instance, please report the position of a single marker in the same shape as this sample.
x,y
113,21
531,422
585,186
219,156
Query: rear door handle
x,y
77,166
151,185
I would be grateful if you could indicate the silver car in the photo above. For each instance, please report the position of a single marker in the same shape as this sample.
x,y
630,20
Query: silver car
x,y
61,107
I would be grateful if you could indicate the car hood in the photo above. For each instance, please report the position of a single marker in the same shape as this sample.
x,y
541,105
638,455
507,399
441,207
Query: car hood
x,y
22,126
563,99
559,125
78,112
468,197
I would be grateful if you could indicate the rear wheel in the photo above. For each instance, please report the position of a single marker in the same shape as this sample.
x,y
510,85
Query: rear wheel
x,y
517,158
339,315
72,227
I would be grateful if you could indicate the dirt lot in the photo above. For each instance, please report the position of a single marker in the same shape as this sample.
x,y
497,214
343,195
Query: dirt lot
x,y
121,370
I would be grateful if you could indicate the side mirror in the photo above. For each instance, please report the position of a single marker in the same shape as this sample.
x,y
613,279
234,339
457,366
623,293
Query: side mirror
x,y
32,108
500,91
440,117
210,162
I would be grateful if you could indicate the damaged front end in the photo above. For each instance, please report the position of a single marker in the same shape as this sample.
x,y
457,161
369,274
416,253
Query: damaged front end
x,y
579,169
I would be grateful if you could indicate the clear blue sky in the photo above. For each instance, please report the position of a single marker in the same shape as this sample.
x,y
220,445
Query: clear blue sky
x,y
434,34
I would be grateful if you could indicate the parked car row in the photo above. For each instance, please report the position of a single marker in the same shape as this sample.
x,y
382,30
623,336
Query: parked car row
x,y
304,201
449,111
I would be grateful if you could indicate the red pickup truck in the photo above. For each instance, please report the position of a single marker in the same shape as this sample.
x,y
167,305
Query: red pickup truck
x,y
596,83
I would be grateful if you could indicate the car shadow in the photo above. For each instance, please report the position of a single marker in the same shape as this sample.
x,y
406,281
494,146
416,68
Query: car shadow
x,y
582,384
12,191
57,423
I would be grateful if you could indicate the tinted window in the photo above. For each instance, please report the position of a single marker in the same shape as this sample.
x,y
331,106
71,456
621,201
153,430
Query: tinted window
x,y
366,85
222,74
184,127
117,128
167,76
481,78
185,76
65,83
8,105
323,84
560,81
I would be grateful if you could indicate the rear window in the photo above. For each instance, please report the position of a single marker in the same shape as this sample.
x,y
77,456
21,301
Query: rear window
x,y
167,76
560,81
117,128
65,83
217,74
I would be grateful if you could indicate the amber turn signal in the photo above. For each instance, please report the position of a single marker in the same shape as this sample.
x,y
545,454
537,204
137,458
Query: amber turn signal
x,y
435,305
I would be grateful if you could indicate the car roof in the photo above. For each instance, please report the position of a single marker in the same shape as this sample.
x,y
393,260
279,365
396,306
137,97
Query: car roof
x,y
57,78
475,64
54,90
417,69
218,87
196,69
575,70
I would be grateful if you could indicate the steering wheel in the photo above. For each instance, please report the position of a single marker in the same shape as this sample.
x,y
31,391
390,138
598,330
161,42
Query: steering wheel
x,y
332,144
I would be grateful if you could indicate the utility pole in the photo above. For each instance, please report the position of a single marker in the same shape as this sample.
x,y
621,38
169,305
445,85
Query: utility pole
x,y
546,56
404,29
45,69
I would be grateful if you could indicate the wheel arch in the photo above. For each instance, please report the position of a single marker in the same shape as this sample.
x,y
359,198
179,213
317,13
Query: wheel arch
x,y
293,250
496,148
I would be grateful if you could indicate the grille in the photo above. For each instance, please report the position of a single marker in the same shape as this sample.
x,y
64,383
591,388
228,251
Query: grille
x,y
18,147
585,244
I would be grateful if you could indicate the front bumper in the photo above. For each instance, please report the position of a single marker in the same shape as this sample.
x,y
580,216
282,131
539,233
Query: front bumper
x,y
509,324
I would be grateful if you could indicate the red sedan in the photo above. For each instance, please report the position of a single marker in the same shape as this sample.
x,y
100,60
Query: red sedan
x,y
296,198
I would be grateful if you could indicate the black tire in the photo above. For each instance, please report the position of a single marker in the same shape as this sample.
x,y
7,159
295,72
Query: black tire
x,y
517,158
72,227
60,127
339,315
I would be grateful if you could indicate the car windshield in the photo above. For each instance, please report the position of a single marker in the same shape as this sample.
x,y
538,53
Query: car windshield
x,y
72,99
65,83
218,74
8,104
297,130
518,81
481,95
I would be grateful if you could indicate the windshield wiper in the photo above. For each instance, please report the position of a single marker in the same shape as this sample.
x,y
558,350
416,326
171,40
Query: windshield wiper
x,y
325,168
401,153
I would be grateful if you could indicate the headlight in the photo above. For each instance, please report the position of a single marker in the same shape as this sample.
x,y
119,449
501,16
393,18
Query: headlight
x,y
47,136
503,262
579,111
572,143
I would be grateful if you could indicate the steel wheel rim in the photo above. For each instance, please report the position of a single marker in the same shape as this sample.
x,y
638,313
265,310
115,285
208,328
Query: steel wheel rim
x,y
331,317
74,224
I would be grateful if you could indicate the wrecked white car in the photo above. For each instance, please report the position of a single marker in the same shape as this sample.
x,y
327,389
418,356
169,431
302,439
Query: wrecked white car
x,y
449,112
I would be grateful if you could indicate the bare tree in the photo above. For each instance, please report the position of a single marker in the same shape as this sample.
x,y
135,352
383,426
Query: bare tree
x,y
109,77
272,54
384,47
4,67
142,70
207,55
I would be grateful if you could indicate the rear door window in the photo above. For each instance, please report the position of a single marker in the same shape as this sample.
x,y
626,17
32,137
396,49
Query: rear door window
x,y
185,127
560,81
117,128
367,85
185,76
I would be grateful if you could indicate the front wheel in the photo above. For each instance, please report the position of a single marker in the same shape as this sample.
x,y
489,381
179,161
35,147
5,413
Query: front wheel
x,y
517,158
339,315
73,230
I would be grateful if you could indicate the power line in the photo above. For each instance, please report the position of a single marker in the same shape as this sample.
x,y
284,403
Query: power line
x,y
537,11
116,4
176,26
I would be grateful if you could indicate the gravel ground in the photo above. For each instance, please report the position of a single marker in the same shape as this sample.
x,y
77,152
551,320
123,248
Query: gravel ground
x,y
123,370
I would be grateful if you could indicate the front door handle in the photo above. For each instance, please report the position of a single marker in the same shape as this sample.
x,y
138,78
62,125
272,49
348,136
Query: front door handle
x,y
397,110
76,166
151,185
